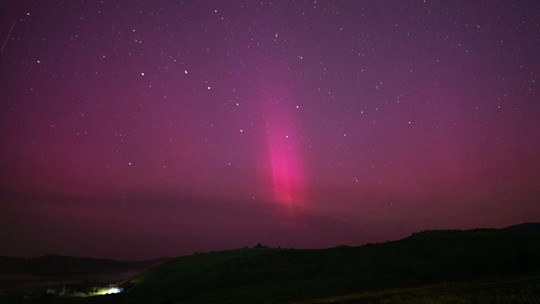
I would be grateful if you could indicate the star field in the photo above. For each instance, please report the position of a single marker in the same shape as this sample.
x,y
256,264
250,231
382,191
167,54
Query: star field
x,y
137,129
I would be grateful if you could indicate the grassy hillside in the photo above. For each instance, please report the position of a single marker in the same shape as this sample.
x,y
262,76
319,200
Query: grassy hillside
x,y
423,261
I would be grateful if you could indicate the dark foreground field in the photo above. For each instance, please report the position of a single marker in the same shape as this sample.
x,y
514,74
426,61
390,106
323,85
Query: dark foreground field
x,y
475,266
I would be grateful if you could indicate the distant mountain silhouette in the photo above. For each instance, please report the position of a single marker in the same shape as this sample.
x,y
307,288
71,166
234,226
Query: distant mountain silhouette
x,y
64,265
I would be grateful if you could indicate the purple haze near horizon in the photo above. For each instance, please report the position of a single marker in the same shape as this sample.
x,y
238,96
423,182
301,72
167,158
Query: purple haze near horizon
x,y
139,129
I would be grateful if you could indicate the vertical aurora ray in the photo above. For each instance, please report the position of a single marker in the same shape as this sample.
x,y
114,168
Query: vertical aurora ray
x,y
284,157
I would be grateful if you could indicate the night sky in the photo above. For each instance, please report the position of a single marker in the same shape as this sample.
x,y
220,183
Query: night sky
x,y
140,129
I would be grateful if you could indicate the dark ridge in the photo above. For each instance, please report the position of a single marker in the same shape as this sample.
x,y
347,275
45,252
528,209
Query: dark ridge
x,y
283,275
454,231
525,228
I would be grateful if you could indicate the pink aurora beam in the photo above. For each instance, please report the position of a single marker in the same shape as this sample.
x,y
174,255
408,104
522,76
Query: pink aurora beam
x,y
284,157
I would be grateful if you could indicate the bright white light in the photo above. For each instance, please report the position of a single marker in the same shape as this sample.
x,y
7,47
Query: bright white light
x,y
108,291
113,290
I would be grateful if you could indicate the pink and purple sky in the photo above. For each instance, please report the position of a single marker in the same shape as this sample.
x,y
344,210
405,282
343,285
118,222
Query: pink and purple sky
x,y
141,129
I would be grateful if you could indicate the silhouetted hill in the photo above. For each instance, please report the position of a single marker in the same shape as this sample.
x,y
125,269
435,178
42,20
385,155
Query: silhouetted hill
x,y
280,275
525,228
